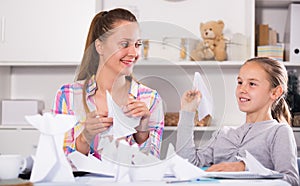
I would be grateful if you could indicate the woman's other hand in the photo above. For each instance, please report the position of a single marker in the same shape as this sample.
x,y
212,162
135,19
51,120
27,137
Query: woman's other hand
x,y
190,100
136,108
94,124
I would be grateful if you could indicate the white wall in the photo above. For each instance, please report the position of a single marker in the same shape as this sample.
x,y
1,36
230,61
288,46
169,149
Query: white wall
x,y
40,83
172,81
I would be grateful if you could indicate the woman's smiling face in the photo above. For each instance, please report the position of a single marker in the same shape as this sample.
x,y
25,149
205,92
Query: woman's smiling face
x,y
122,48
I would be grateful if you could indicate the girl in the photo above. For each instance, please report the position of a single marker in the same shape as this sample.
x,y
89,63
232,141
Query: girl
x,y
261,86
112,48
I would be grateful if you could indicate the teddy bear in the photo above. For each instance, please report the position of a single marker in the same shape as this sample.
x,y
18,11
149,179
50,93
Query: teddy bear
x,y
213,44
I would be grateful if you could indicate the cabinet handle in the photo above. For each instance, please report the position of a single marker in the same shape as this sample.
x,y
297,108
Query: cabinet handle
x,y
2,29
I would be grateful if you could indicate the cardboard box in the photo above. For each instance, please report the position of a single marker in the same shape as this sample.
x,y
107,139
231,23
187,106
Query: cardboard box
x,y
13,111
262,35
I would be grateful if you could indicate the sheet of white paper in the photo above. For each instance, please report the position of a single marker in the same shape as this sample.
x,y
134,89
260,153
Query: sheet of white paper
x,y
255,166
182,169
92,164
123,125
52,124
132,164
147,167
206,105
41,168
50,163
124,153
150,172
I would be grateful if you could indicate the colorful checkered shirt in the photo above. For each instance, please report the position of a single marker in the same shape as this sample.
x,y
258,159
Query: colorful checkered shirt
x,y
68,100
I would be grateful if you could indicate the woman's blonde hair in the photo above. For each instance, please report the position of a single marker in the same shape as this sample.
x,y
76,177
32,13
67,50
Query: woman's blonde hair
x,y
277,77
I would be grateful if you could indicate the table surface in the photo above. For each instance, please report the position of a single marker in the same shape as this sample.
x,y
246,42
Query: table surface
x,y
91,181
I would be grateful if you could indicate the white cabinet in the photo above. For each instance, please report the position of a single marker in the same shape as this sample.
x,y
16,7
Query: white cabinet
x,y
18,140
44,30
181,19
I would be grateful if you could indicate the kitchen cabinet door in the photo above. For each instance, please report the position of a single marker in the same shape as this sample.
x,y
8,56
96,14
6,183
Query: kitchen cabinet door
x,y
22,141
44,30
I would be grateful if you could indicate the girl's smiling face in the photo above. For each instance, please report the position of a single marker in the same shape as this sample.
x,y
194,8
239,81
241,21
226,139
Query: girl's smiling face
x,y
122,48
253,91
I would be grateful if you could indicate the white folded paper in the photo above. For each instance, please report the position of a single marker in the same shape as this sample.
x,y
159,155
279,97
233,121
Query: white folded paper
x,y
255,166
206,105
127,164
123,125
181,168
92,164
50,162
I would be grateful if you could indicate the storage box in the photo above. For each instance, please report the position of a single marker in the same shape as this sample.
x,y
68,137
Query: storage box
x,y
13,111
237,48
273,51
262,35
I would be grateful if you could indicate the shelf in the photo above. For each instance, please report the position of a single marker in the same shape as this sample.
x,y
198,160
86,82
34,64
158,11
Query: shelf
x,y
142,63
296,129
203,63
167,128
274,3
210,128
188,63
17,127
39,64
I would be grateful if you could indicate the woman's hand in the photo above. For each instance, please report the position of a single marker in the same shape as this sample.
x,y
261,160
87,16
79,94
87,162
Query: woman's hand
x,y
190,100
136,108
227,167
94,124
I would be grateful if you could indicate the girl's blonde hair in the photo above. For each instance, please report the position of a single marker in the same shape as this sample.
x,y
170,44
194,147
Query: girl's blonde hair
x,y
277,77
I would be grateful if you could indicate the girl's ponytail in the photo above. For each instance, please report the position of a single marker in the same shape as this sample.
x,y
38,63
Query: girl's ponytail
x,y
280,111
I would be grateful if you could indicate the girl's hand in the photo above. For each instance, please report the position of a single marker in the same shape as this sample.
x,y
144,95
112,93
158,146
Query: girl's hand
x,y
94,124
190,100
227,167
136,108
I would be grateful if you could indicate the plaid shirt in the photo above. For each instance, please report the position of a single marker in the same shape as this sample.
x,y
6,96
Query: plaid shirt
x,y
68,100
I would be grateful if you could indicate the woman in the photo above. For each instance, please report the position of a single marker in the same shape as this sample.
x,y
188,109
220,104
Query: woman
x,y
112,48
261,86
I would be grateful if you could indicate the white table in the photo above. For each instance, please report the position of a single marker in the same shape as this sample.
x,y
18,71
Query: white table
x,y
222,182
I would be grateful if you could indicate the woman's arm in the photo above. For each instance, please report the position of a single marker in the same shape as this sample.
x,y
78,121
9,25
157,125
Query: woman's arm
x,y
149,132
63,105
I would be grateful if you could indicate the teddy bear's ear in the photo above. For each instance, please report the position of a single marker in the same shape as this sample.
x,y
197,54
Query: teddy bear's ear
x,y
201,25
220,22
